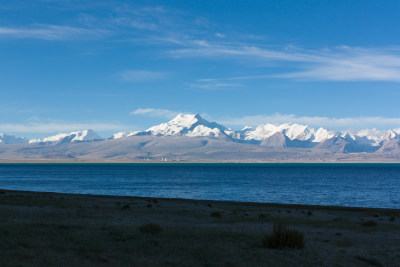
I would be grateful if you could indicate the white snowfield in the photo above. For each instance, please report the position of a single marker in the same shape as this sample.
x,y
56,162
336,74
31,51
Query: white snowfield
x,y
189,125
183,124
124,134
291,131
193,125
80,136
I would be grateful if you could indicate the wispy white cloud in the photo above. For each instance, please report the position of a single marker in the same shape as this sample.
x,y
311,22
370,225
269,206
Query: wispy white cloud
x,y
214,84
122,21
144,11
193,39
315,121
156,112
218,49
346,72
188,36
335,64
143,25
51,32
57,127
141,75
147,18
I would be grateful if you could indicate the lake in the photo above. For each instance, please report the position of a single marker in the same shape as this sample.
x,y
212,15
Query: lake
x,y
358,185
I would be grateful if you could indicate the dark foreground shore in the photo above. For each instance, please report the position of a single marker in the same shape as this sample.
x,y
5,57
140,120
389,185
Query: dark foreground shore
x,y
49,229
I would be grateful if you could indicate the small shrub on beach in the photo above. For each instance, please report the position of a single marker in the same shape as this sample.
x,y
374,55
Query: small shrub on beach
x,y
392,218
282,237
369,224
151,228
216,214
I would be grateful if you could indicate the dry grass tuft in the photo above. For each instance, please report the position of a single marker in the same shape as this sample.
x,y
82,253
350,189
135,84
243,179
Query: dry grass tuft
x,y
282,237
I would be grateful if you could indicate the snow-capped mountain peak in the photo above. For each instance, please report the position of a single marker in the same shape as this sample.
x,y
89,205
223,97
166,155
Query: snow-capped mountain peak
x,y
263,131
186,120
79,136
347,135
178,125
124,134
389,134
246,128
291,131
299,132
190,125
183,124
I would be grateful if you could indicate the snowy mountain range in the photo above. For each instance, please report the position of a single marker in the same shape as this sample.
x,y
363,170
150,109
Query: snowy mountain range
x,y
80,136
265,136
195,125
281,135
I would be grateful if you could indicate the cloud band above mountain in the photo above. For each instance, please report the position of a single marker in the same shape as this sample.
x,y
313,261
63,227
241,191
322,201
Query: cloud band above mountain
x,y
316,121
335,123
155,112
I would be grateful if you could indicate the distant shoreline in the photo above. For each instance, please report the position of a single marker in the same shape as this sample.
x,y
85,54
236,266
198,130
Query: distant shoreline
x,y
185,162
189,200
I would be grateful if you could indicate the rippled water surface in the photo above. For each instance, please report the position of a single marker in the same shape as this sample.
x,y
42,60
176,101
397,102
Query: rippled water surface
x,y
363,185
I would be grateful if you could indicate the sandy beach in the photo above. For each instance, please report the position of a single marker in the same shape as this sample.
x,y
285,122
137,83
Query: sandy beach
x,y
47,229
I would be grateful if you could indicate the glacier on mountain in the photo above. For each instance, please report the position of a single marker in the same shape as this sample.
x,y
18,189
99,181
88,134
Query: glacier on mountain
x,y
189,125
184,124
124,134
79,136
291,131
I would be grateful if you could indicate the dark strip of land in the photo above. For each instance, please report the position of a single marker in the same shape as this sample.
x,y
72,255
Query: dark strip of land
x,y
47,229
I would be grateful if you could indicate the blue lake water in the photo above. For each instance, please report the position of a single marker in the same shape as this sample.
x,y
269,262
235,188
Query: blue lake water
x,y
360,185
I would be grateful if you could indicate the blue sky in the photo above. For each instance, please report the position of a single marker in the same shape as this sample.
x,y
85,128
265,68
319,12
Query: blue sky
x,y
128,65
